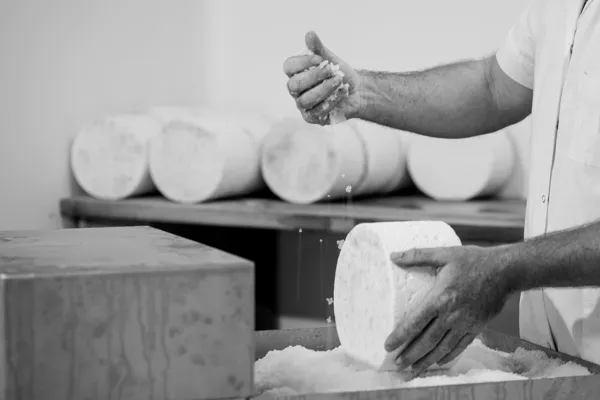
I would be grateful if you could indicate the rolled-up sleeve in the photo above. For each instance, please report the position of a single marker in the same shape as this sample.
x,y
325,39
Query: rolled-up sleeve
x,y
516,56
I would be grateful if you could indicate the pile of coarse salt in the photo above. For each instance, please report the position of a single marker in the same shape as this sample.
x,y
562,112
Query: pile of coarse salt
x,y
297,370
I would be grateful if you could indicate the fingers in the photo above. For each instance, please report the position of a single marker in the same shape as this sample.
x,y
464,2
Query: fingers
x,y
296,64
311,98
444,347
424,343
326,106
462,344
308,79
317,91
410,328
314,119
432,257
320,114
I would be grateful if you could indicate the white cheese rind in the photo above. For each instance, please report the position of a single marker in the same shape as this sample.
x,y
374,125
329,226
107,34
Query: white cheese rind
x,y
197,159
461,169
386,154
303,163
109,157
372,294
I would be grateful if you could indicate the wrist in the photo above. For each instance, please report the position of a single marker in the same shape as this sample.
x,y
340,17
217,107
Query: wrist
x,y
513,275
358,109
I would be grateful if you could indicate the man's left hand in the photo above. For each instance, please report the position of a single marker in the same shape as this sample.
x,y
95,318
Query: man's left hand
x,y
471,288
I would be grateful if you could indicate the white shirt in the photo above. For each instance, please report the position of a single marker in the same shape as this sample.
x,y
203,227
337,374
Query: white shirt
x,y
554,49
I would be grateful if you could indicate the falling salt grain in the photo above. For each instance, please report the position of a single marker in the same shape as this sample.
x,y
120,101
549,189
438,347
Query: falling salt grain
x,y
340,243
329,300
320,240
328,320
348,188
300,230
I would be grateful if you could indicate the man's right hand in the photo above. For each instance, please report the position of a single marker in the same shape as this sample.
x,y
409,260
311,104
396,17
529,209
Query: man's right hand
x,y
313,88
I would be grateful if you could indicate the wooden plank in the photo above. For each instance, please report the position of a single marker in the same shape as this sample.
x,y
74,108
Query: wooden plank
x,y
325,338
123,313
578,387
487,221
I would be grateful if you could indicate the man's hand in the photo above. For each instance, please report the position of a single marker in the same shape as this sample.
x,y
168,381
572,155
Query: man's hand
x,y
471,288
313,88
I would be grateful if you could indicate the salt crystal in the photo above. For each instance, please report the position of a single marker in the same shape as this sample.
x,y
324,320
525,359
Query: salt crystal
x,y
348,188
340,243
323,64
329,300
300,230
328,320
320,240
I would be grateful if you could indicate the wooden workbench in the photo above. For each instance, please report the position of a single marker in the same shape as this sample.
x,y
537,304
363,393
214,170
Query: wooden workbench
x,y
294,271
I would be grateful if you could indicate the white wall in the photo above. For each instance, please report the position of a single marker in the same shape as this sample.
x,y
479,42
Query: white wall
x,y
253,38
65,62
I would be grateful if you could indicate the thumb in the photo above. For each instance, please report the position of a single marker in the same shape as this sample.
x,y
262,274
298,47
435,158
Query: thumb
x,y
420,257
314,44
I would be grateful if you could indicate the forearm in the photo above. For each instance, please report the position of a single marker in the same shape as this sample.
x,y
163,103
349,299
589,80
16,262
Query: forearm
x,y
568,258
450,101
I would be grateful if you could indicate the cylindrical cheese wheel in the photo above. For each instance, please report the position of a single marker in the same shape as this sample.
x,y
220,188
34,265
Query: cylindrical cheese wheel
x,y
203,158
109,157
304,163
371,294
461,169
386,159
256,123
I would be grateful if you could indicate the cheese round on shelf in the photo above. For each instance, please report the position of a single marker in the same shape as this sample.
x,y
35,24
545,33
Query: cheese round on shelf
x,y
303,163
197,159
257,123
461,169
371,294
386,154
109,157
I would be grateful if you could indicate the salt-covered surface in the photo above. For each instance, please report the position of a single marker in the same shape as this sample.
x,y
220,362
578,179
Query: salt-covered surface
x,y
297,370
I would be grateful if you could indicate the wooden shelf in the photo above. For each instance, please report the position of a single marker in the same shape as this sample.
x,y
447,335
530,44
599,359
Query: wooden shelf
x,y
485,220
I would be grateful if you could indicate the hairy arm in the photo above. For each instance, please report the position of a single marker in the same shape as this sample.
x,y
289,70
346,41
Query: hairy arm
x,y
458,100
569,258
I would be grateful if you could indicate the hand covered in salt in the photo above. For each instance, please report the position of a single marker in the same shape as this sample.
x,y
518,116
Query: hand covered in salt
x,y
470,289
323,85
